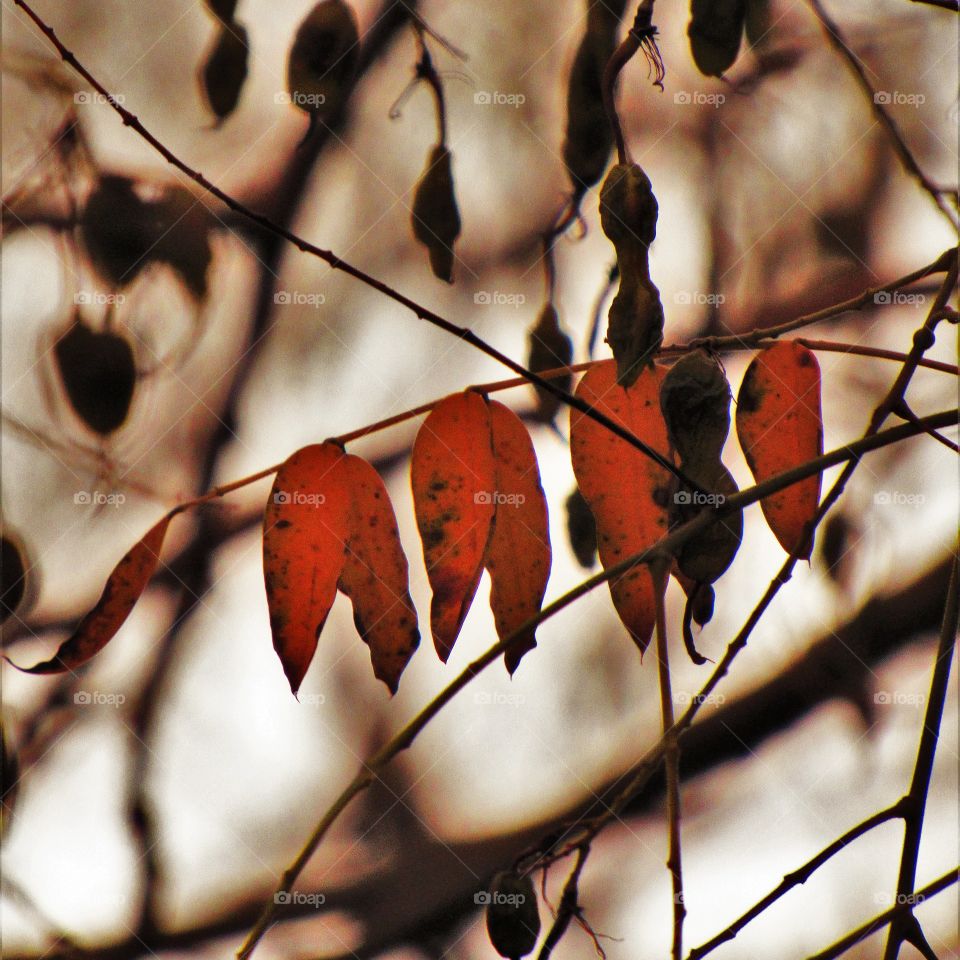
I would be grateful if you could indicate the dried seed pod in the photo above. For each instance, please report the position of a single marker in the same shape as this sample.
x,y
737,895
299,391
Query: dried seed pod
x,y
582,529
225,70
436,219
628,215
589,136
550,348
715,30
99,374
13,576
695,400
123,233
323,59
513,920
118,229
222,9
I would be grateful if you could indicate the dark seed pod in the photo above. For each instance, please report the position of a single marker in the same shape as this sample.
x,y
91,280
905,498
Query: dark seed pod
x,y
99,375
118,229
695,401
589,136
628,215
582,529
225,70
13,577
323,59
550,348
183,240
222,9
513,920
758,21
436,219
715,30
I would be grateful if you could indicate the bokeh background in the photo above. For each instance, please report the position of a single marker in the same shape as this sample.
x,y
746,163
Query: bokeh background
x,y
177,768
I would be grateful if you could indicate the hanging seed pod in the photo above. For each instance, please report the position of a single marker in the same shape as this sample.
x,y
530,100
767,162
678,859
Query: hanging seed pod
x,y
695,400
99,375
13,577
628,216
118,230
549,348
715,29
758,22
222,9
183,240
223,75
323,60
582,529
513,920
436,219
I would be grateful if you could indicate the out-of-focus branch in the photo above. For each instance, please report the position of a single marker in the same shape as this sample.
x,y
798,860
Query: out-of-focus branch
x,y
903,152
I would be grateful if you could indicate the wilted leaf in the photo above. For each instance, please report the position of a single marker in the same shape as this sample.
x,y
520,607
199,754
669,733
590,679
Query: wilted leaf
x,y
305,529
436,219
780,426
374,574
225,70
518,554
453,478
99,375
627,492
123,589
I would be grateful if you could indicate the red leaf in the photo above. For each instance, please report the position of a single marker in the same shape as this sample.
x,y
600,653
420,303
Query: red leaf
x,y
305,528
123,588
518,555
627,492
453,478
375,574
780,426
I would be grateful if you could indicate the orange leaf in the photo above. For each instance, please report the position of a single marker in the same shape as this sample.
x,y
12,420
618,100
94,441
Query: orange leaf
x,y
375,574
305,529
453,478
627,492
123,588
780,426
518,555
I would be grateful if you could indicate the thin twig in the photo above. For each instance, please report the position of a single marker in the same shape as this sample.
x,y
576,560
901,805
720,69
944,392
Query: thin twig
x,y
337,263
401,741
904,155
881,920
905,927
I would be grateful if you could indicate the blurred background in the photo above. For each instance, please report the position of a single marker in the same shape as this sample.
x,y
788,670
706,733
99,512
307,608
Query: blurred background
x,y
160,791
